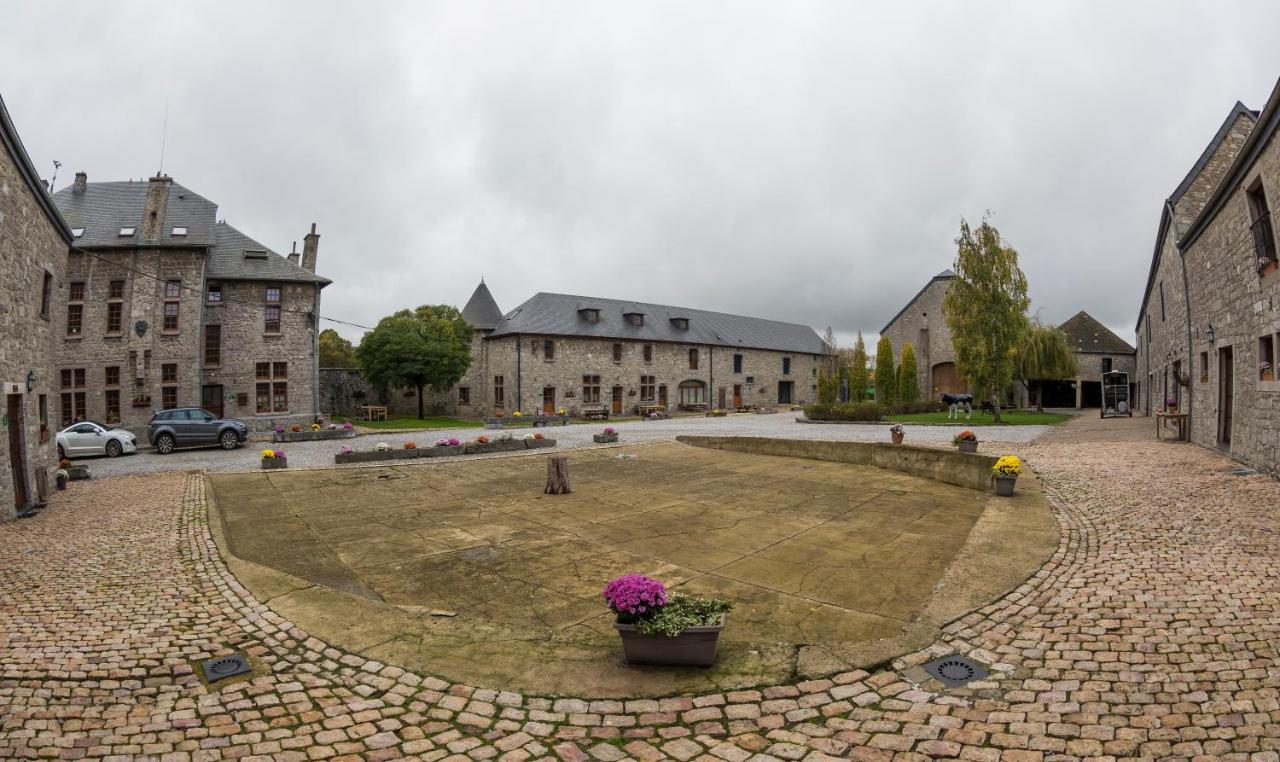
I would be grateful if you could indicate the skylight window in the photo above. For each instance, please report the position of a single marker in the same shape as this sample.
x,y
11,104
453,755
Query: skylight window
x,y
126,231
179,230
255,254
77,232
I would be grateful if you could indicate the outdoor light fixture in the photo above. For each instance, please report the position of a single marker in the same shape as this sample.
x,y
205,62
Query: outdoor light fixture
x,y
1209,333
31,380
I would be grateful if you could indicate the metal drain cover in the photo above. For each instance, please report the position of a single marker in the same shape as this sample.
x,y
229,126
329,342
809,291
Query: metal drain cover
x,y
225,666
955,671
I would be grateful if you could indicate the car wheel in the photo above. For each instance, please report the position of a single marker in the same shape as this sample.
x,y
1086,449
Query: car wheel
x,y
229,440
61,455
165,444
113,449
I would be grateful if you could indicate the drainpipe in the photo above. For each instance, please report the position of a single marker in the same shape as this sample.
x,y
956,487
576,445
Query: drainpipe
x,y
519,397
1186,300
711,369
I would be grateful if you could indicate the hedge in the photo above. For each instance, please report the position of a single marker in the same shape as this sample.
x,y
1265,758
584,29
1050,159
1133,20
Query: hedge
x,y
868,411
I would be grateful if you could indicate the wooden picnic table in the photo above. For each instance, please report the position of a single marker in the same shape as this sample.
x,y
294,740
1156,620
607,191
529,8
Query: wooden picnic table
x,y
374,412
647,409
1165,418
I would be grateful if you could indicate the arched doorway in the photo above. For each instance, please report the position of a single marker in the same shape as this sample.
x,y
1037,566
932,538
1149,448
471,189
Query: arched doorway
x,y
692,392
945,380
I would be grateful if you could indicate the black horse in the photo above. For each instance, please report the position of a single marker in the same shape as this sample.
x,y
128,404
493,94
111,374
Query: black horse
x,y
956,401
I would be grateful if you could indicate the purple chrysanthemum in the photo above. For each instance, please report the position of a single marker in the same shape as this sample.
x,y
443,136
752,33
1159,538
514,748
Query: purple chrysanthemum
x,y
633,594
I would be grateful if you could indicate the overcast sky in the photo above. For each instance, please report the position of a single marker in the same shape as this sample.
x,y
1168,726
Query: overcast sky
x,y
807,162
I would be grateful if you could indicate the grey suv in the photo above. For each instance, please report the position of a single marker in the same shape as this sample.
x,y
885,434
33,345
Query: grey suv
x,y
188,426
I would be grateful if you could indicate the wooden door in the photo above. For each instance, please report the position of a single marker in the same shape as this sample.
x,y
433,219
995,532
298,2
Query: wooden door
x,y
737,395
211,399
946,380
662,396
720,398
784,392
617,400
548,400
17,455
1226,395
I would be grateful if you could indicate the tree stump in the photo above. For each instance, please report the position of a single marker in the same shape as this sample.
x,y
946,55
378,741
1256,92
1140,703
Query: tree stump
x,y
558,476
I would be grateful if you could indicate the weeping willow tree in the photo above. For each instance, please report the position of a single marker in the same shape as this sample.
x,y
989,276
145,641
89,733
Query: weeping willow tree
x,y
986,310
1043,355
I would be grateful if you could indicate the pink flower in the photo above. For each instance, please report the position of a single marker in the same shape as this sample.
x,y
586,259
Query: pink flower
x,y
633,594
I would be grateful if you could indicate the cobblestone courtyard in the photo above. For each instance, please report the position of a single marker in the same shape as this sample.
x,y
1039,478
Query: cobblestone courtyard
x,y
1151,633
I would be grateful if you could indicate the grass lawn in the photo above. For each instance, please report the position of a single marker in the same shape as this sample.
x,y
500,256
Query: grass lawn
x,y
411,422
1008,418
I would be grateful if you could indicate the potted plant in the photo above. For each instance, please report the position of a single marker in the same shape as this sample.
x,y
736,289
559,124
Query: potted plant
x,y
410,445
274,459
517,414
1266,266
345,450
1171,405
1268,373
897,433
347,426
1005,473
965,441
315,427
482,439
609,435
295,428
382,447
562,412
678,630
61,476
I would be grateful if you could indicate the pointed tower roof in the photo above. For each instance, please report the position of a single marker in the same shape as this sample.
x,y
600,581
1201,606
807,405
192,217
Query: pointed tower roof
x,y
481,310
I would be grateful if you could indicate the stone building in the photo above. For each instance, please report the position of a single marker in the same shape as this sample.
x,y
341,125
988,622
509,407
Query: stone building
x,y
580,353
1097,350
166,306
1211,344
34,242
921,322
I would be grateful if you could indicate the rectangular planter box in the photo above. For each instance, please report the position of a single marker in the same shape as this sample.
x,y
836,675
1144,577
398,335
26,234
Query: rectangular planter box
x,y
275,463
604,438
77,473
478,448
440,452
537,444
695,647
967,446
313,436
373,457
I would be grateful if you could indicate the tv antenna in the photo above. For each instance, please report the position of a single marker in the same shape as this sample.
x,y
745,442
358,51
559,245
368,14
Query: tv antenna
x,y
164,133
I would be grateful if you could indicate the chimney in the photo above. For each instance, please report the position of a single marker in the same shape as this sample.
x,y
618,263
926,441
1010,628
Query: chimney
x,y
154,208
310,245
82,179
293,255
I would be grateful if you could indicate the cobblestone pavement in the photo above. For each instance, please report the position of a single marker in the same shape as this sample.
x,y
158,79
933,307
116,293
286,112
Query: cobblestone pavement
x,y
1151,633
320,454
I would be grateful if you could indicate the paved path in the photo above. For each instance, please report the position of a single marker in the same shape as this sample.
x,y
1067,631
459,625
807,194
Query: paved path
x,y
1152,633
320,454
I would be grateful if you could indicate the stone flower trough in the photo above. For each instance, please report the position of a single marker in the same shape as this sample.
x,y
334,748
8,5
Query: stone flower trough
x,y
466,448
308,435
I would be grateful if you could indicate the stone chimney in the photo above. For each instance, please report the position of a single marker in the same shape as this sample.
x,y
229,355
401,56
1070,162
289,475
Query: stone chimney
x,y
310,245
154,208
293,255
82,180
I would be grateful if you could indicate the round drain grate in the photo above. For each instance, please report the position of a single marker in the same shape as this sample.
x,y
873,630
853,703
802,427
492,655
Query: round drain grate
x,y
954,669
226,666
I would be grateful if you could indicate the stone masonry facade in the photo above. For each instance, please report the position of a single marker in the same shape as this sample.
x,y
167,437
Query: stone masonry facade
x,y
33,257
158,320
923,324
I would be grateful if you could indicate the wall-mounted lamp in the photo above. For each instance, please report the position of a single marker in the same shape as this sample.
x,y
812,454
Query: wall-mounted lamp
x,y
31,380
1209,333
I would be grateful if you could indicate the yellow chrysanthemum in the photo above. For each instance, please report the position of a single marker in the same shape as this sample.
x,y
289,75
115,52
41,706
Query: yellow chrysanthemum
x,y
1007,465
268,453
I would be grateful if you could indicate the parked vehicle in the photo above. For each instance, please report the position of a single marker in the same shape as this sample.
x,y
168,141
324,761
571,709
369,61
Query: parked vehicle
x,y
89,438
193,426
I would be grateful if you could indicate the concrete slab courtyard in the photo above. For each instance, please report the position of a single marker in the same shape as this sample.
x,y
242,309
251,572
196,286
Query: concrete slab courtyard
x,y
821,559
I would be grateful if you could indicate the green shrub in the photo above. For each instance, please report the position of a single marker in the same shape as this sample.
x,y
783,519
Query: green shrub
x,y
919,406
907,381
682,612
852,411
886,373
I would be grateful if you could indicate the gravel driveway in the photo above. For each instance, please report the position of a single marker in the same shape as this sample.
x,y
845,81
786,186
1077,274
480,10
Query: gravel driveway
x,y
320,454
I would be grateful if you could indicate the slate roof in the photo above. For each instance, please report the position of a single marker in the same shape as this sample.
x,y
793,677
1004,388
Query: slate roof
x,y
1085,334
13,144
482,310
102,209
557,315
227,261
946,274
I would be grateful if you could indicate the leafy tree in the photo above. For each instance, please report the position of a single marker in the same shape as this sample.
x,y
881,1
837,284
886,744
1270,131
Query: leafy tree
x,y
429,346
986,309
886,373
828,386
858,379
908,378
1044,354
335,351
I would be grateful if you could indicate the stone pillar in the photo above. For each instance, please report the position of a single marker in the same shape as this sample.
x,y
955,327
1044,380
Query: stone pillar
x,y
1079,392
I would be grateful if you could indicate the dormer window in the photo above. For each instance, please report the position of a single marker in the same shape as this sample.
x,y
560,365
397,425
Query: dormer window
x,y
77,232
126,231
634,318
681,323
179,230
590,314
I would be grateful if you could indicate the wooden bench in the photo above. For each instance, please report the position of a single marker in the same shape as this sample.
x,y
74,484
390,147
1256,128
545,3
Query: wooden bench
x,y
596,413
374,412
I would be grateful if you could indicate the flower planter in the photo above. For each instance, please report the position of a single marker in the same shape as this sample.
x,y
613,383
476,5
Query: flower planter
x,y
1004,485
694,647
62,483
77,473
1268,375
275,462
312,436
603,438
897,438
1269,268
535,444
967,446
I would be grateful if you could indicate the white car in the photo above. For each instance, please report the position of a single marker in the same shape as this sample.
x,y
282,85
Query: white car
x,y
89,438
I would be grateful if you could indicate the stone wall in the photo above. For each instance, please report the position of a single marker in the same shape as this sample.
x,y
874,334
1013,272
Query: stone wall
x,y
925,326
30,246
344,390
1228,293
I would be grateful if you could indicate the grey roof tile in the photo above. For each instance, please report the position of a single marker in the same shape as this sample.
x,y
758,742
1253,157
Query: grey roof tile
x,y
482,311
228,262
104,208
557,315
1086,334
